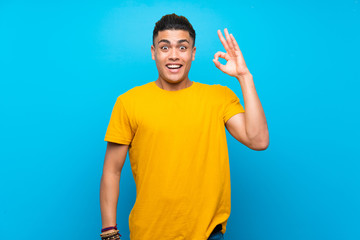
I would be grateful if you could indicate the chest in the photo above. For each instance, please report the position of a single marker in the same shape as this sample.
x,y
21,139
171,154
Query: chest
x,y
177,115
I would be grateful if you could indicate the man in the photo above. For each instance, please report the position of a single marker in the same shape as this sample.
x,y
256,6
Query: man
x,y
174,131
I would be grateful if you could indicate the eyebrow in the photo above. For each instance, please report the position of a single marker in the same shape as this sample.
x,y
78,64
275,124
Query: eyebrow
x,y
167,41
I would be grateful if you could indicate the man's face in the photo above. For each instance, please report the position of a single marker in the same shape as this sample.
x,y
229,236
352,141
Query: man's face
x,y
173,53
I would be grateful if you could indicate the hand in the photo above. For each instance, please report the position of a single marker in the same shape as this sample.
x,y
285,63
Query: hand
x,y
235,65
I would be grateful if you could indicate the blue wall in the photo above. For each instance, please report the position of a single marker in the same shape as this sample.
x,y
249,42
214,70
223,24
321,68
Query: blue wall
x,y
62,65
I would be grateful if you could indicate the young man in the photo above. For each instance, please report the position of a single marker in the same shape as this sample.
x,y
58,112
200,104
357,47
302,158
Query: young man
x,y
174,130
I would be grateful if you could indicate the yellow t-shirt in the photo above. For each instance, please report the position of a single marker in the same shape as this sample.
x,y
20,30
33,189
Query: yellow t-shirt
x,y
179,158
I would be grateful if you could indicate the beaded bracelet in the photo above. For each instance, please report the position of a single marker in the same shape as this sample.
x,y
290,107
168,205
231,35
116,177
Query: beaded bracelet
x,y
110,235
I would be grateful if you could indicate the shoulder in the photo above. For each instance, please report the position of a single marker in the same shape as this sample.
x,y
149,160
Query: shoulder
x,y
212,86
135,92
216,89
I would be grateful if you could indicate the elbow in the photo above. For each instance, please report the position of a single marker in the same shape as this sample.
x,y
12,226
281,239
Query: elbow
x,y
109,173
260,144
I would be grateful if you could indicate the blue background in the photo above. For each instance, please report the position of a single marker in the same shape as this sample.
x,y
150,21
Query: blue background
x,y
62,65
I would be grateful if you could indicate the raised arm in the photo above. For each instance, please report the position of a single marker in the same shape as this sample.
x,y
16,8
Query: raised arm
x,y
249,128
109,186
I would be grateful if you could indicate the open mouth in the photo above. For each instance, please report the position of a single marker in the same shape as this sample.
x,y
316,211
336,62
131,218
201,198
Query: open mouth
x,y
173,66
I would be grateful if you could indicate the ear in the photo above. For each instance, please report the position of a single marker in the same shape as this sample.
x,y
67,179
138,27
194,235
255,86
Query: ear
x,y
193,53
152,52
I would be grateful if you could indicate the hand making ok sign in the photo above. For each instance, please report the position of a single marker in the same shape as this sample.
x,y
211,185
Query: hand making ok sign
x,y
235,65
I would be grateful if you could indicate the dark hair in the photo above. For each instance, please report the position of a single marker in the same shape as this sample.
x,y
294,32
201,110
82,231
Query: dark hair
x,y
173,22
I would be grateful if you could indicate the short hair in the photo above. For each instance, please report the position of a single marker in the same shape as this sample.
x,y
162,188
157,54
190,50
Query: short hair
x,y
173,22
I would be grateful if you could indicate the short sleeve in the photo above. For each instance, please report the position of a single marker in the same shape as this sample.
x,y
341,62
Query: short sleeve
x,y
232,104
119,128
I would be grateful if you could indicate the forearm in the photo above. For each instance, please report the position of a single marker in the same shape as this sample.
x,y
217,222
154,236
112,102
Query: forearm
x,y
109,195
255,121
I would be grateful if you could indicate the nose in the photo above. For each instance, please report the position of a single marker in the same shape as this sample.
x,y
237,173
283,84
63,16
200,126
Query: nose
x,y
173,55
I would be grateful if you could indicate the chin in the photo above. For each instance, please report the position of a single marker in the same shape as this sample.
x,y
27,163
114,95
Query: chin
x,y
173,80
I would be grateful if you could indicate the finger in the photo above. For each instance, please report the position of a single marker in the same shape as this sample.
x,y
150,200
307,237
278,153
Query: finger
x,y
236,45
228,39
219,65
221,55
223,41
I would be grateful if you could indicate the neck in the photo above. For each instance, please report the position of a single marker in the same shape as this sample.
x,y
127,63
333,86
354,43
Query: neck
x,y
173,86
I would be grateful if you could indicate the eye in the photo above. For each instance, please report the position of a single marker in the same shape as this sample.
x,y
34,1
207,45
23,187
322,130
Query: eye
x,y
183,48
164,48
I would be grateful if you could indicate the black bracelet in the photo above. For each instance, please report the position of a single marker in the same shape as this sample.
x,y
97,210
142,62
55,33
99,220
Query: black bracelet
x,y
108,228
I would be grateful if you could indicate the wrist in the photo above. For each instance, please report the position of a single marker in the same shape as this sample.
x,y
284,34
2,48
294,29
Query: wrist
x,y
245,76
109,227
110,235
109,231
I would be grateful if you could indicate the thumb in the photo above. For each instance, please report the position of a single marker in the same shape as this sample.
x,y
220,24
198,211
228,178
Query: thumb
x,y
219,65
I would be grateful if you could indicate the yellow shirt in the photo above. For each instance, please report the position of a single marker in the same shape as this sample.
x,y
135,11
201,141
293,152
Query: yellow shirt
x,y
179,158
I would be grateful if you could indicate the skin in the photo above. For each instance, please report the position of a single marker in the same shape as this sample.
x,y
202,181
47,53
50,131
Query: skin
x,y
249,128
176,46
173,46
110,180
